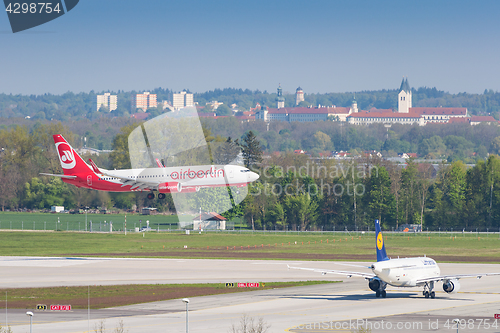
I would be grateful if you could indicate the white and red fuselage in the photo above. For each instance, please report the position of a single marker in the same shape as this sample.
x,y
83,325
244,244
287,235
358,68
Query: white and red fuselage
x,y
162,179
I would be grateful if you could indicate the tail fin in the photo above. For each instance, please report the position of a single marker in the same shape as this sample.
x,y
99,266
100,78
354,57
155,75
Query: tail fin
x,y
380,247
71,162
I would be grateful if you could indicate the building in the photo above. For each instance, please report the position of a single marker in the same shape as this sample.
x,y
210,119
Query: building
x,y
299,95
209,221
280,100
182,100
215,104
476,120
108,101
144,101
407,114
306,114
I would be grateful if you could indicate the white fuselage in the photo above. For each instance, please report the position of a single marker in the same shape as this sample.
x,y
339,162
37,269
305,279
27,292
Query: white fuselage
x,y
406,271
204,175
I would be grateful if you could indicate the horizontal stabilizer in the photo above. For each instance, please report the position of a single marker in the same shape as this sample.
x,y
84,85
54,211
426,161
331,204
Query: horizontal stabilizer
x,y
60,176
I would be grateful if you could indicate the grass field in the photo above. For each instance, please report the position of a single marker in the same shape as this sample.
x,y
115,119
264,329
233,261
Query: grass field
x,y
485,248
111,296
76,222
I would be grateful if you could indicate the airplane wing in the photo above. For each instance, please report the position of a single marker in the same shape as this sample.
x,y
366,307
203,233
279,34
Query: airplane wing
x,y
455,277
332,271
134,183
60,176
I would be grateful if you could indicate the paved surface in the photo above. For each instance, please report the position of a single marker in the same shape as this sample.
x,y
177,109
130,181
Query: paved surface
x,y
321,308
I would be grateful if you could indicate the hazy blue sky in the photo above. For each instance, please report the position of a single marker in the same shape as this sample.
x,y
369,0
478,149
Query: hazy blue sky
x,y
323,46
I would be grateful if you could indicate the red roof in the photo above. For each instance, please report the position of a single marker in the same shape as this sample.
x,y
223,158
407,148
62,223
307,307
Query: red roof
x,y
384,114
482,119
459,120
140,115
440,111
306,110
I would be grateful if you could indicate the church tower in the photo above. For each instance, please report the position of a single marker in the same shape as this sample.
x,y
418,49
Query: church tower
x,y
404,97
280,100
354,106
299,95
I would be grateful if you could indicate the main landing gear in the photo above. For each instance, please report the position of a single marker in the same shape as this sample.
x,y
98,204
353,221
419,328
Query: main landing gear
x,y
151,196
430,292
379,293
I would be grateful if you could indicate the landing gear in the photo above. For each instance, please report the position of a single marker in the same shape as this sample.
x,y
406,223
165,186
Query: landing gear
x,y
430,293
380,293
161,196
377,293
151,196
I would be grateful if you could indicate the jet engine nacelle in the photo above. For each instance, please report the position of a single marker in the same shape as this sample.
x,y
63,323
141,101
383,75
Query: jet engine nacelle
x,y
451,286
376,284
170,187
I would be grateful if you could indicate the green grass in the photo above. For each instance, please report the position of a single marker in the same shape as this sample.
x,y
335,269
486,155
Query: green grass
x,y
76,222
119,295
260,245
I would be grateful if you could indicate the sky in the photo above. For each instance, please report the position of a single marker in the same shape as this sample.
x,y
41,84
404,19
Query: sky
x,y
200,45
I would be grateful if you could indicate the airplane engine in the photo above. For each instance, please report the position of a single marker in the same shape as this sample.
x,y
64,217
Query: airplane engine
x,y
376,284
451,286
170,187
189,190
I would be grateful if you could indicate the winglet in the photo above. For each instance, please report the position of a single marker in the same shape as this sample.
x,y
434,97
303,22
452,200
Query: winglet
x,y
159,163
380,246
94,166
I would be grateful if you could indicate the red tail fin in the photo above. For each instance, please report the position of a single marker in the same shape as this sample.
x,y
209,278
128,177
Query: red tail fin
x,y
71,162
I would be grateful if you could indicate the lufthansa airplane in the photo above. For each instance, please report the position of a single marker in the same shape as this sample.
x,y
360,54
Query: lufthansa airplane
x,y
162,179
404,272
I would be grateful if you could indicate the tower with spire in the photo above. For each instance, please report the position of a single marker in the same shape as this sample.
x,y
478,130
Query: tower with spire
x,y
404,97
354,105
280,100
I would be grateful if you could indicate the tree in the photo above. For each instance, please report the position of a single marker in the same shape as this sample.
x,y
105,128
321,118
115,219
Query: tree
x,y
250,325
252,151
322,140
301,210
379,198
224,110
495,145
120,158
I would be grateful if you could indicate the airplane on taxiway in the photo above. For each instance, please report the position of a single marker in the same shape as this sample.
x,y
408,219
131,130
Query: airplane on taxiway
x,y
403,272
183,179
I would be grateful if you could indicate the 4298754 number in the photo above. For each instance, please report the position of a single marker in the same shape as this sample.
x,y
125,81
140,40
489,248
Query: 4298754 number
x,y
32,8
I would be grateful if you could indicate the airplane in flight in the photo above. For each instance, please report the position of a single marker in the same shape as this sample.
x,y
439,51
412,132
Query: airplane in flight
x,y
182,179
404,272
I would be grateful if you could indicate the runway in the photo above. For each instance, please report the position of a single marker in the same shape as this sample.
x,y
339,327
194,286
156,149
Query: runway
x,y
322,308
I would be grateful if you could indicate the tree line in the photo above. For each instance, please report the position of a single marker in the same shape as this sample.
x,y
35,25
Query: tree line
x,y
77,106
294,192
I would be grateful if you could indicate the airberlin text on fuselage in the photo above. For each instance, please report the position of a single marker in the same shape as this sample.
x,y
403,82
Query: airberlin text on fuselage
x,y
192,174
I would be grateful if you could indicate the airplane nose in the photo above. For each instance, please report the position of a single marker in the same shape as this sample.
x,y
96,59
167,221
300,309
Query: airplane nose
x,y
253,176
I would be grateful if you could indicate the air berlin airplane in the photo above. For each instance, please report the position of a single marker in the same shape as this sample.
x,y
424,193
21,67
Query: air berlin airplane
x,y
162,179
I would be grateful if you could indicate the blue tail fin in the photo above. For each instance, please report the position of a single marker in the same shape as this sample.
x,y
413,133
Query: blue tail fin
x,y
380,246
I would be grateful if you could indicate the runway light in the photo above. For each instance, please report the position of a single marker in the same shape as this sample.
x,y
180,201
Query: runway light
x,y
186,300
30,314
